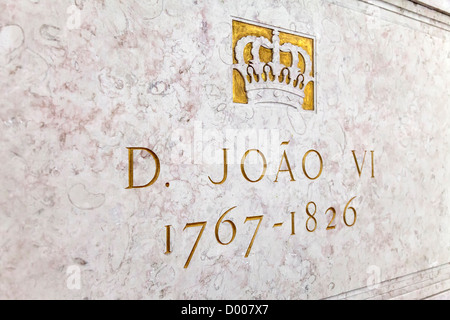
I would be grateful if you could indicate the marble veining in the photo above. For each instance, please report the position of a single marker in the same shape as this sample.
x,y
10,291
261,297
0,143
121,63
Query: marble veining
x,y
83,80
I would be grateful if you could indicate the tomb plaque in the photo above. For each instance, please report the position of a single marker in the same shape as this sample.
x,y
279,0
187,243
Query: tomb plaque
x,y
224,150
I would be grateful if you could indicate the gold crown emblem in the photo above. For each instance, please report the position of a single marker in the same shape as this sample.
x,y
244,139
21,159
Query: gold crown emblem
x,y
272,66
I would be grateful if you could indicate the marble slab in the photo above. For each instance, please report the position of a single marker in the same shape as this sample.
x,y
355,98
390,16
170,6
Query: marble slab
x,y
440,5
84,81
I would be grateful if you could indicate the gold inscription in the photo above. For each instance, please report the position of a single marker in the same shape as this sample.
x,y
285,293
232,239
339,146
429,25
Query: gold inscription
x,y
333,211
287,164
131,168
231,223
358,168
311,224
345,214
254,235
304,165
311,216
225,168
168,250
311,220
192,225
243,167
292,223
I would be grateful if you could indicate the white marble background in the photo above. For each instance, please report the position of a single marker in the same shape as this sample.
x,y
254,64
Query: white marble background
x,y
81,81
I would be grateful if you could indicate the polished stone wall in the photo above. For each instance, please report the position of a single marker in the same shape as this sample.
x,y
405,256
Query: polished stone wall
x,y
84,81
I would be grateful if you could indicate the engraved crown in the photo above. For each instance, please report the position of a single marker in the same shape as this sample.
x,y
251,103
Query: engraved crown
x,y
273,82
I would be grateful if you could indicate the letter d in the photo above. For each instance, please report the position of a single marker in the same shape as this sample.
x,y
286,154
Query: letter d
x,y
130,168
229,311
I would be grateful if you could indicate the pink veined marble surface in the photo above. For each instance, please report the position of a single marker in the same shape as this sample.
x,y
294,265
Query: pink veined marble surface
x,y
81,81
